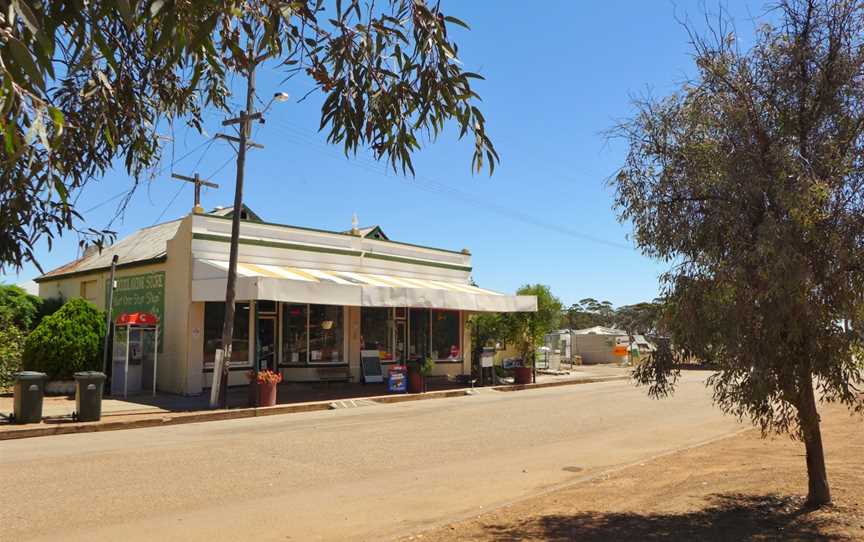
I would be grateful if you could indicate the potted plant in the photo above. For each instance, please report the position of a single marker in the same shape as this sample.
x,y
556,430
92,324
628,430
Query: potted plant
x,y
522,373
418,370
527,329
266,386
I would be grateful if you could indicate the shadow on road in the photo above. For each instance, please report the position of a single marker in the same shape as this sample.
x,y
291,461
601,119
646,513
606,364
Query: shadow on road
x,y
729,517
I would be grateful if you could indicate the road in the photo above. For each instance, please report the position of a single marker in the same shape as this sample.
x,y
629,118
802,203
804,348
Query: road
x,y
366,473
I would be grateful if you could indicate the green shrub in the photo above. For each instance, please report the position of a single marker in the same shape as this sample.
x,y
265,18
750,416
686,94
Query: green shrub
x,y
49,306
19,307
69,340
11,348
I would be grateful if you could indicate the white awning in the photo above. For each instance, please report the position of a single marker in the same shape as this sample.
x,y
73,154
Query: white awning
x,y
329,287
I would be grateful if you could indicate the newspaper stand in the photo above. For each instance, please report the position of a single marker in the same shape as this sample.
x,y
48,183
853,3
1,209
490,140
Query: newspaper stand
x,y
136,340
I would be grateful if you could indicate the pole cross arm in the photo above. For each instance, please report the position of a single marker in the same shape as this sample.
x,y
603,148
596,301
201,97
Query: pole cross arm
x,y
196,180
237,140
242,118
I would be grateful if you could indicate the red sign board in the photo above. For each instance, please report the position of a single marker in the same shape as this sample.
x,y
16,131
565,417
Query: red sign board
x,y
137,319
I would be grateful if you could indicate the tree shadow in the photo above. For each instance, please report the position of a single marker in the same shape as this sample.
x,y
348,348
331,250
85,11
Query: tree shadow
x,y
729,517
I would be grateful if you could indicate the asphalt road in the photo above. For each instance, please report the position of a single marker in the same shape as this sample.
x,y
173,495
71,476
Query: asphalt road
x,y
366,473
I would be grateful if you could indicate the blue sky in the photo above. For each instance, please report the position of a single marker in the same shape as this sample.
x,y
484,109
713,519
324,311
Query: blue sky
x,y
558,73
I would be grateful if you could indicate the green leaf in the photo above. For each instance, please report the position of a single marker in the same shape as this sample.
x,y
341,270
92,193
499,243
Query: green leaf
x,y
22,57
156,7
107,132
27,15
454,20
61,189
58,118
9,140
126,12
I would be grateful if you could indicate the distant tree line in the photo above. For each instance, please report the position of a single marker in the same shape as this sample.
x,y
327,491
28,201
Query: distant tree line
x,y
643,318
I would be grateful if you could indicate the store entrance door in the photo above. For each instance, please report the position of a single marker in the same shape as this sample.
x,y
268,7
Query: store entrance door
x,y
267,343
401,353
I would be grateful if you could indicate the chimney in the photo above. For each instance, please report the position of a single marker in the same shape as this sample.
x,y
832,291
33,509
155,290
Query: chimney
x,y
90,250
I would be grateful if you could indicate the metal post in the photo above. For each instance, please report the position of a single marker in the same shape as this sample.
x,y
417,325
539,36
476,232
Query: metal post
x,y
254,335
126,368
108,321
155,359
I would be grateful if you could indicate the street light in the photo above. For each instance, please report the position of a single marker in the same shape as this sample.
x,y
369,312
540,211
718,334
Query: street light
x,y
280,97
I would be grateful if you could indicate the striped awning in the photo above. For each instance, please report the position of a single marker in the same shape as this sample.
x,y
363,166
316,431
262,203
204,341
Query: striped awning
x,y
304,285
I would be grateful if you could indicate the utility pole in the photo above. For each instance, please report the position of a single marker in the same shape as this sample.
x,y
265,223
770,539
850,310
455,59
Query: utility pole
x,y
219,391
198,182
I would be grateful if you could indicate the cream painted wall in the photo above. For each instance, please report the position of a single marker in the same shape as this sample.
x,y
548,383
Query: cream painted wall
x,y
178,293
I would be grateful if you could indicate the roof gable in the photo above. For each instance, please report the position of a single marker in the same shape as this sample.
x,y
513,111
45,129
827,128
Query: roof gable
x,y
245,213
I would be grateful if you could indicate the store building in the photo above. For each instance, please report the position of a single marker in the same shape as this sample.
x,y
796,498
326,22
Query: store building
x,y
308,301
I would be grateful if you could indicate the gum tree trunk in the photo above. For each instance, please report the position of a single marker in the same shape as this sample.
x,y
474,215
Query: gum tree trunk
x,y
818,492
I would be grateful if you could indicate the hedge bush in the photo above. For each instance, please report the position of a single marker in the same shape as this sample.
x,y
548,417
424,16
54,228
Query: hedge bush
x,y
11,348
19,307
67,341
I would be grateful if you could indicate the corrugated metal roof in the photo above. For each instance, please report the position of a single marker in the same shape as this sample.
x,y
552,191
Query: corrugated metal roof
x,y
145,244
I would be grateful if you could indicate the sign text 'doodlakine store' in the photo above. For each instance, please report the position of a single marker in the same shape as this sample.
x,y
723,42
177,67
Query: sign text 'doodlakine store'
x,y
141,293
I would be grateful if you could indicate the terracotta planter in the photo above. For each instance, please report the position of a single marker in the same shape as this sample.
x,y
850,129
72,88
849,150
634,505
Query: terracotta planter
x,y
416,382
267,393
522,375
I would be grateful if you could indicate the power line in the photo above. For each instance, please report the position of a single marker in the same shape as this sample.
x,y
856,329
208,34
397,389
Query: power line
x,y
170,203
433,186
220,168
169,166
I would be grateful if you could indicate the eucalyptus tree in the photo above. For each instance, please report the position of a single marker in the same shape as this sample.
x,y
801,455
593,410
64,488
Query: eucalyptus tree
x,y
749,180
86,86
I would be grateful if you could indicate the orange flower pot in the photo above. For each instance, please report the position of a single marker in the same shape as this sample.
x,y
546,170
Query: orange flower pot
x,y
267,393
416,382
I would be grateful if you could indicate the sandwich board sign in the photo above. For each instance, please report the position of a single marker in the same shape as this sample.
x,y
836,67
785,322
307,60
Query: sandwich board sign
x,y
370,366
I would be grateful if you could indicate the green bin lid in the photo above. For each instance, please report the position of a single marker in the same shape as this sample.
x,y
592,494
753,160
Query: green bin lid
x,y
30,375
89,375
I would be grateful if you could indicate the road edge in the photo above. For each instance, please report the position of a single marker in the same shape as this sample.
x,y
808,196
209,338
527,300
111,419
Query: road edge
x,y
162,419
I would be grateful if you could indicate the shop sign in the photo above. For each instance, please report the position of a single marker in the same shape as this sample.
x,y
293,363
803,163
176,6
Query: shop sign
x,y
620,350
487,358
141,293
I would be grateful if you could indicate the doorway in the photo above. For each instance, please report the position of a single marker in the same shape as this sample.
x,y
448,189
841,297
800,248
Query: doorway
x,y
401,341
267,343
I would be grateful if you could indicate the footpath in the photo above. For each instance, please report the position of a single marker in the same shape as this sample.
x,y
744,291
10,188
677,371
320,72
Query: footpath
x,y
142,411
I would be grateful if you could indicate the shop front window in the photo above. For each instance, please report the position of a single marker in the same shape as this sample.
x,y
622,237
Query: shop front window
x,y
214,319
326,331
419,340
376,331
294,337
446,343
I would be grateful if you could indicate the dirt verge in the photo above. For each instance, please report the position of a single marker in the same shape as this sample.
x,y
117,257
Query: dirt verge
x,y
740,488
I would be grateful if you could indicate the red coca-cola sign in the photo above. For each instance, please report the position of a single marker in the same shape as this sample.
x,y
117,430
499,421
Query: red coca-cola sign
x,y
137,319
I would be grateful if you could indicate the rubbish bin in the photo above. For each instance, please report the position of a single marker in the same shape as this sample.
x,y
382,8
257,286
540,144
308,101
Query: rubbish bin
x,y
88,395
29,390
